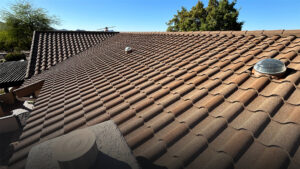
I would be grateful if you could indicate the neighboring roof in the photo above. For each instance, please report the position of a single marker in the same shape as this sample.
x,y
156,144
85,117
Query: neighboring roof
x,y
51,47
2,55
181,100
12,73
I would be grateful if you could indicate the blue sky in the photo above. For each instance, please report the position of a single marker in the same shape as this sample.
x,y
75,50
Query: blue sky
x,y
151,15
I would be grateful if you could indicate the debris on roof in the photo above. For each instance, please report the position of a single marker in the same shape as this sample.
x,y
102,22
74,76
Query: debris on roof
x,y
181,100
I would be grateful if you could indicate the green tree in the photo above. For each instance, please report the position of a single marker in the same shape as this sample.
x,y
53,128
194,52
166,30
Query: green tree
x,y
218,15
177,23
198,14
21,20
7,42
2,26
186,20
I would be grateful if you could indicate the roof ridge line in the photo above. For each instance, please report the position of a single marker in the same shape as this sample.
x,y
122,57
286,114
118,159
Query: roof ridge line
x,y
281,32
71,31
30,55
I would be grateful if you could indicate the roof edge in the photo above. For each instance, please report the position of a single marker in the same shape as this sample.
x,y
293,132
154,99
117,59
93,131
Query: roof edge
x,y
283,33
30,55
71,31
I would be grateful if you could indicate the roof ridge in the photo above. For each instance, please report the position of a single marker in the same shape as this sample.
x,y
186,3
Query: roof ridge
x,y
282,32
72,31
30,55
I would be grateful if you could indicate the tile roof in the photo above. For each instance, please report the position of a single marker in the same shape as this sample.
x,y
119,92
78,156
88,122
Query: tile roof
x,y
181,100
12,73
51,47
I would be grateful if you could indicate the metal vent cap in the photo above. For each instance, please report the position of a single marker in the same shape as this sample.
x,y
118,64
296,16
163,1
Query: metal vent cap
x,y
270,66
128,49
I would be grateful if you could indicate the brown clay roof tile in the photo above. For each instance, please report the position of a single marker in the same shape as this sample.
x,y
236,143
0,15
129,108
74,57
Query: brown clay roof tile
x,y
181,100
12,73
51,47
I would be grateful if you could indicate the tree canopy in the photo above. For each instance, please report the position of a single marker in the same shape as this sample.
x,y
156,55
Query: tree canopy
x,y
20,22
218,15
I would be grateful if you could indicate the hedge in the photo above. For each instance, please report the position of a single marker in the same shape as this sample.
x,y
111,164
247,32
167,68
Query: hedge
x,y
15,56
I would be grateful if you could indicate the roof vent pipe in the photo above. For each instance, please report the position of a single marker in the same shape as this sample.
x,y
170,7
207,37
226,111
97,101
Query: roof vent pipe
x,y
128,50
272,67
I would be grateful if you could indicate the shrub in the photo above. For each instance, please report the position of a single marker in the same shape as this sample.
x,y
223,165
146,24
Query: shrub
x,y
7,42
2,92
15,56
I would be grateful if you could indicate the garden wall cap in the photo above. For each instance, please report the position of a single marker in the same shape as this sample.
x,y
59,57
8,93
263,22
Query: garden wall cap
x,y
77,149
